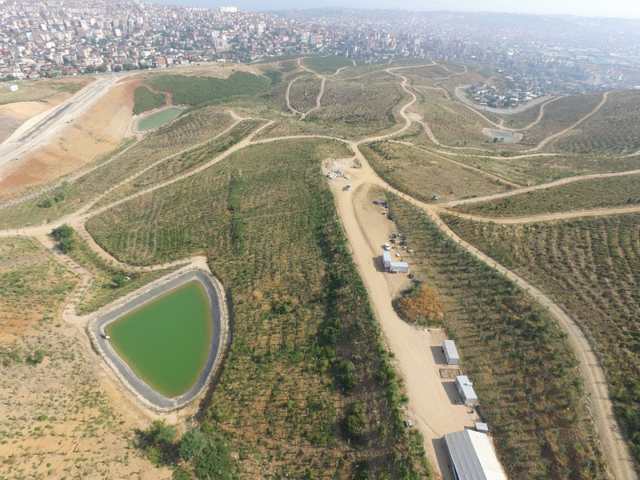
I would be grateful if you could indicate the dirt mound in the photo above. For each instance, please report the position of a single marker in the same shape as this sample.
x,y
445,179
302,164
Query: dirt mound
x,y
96,133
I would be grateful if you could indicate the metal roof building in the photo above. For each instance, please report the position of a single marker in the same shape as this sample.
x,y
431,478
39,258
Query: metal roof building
x,y
473,457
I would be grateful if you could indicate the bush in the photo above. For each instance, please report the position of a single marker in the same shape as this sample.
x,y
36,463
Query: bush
x,y
421,304
344,372
209,455
64,236
355,422
158,443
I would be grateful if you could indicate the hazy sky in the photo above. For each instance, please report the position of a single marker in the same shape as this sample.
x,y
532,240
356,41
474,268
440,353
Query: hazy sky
x,y
608,8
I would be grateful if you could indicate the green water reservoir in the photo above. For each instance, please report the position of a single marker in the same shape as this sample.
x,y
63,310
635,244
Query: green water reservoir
x,y
156,120
166,342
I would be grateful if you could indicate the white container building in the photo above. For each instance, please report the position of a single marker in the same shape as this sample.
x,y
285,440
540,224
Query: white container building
x,y
472,456
450,352
399,267
466,391
386,259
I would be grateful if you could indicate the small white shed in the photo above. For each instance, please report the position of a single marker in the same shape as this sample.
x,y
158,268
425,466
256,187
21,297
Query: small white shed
x,y
386,259
466,391
399,267
450,352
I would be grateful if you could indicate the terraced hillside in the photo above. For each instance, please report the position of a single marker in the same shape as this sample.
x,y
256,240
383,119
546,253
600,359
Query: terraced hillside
x,y
306,389
590,267
613,130
427,176
583,195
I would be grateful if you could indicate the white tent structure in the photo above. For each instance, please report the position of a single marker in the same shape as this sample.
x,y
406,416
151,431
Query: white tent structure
x,y
473,457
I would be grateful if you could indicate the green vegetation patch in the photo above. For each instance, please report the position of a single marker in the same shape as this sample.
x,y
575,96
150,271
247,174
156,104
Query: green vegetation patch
x,y
145,100
590,268
187,90
158,119
522,367
584,195
329,64
166,342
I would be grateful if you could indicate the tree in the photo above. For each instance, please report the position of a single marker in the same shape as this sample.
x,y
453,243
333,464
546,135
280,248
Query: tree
x,y
64,236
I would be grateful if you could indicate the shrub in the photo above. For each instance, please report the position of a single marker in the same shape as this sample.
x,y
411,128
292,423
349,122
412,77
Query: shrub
x,y
344,372
209,455
64,236
158,443
355,422
420,304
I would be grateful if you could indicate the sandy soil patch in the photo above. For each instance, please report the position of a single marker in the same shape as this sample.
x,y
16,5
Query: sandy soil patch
x,y
99,131
12,115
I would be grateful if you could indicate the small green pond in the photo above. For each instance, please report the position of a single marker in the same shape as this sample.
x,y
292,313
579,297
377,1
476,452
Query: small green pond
x,y
166,342
156,120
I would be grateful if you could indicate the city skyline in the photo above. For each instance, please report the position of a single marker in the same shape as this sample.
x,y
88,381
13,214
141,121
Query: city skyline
x,y
587,8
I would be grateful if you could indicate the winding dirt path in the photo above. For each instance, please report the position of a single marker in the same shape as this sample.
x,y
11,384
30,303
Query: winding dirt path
x,y
291,108
548,217
551,138
541,186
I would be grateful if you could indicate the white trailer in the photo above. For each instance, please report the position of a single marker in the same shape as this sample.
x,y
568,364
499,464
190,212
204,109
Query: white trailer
x,y
399,267
466,391
450,352
386,259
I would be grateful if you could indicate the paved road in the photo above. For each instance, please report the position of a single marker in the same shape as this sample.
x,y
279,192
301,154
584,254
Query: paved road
x,y
134,383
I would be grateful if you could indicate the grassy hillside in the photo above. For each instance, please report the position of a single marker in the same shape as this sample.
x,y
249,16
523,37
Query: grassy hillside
x,y
187,90
145,100
32,286
329,64
604,192
515,353
590,267
307,390
422,174
304,93
614,129
359,107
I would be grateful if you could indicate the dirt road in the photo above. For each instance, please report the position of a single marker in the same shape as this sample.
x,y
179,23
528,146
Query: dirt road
x,y
549,217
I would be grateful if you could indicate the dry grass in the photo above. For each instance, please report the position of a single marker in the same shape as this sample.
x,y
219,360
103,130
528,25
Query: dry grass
x,y
55,418
429,177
